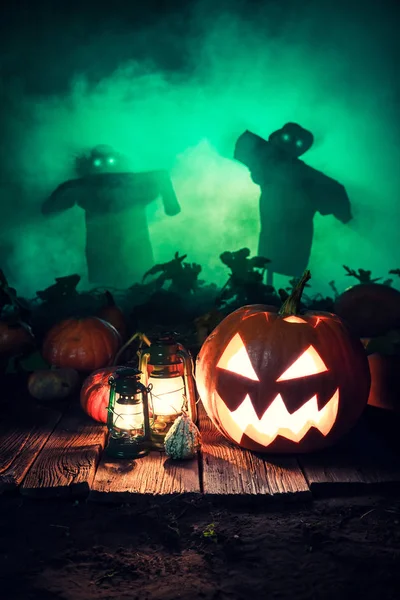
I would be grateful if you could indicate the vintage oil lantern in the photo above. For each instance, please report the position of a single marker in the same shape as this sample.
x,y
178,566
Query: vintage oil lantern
x,y
128,419
167,370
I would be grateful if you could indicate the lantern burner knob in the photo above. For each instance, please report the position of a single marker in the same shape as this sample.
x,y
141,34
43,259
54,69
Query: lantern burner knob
x,y
127,381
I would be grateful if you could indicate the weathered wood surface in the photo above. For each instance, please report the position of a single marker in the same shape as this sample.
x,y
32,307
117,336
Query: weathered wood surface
x,y
228,470
46,454
24,430
360,463
67,463
152,475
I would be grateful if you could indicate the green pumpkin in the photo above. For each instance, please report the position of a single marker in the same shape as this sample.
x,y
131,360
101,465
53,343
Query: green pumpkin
x,y
183,439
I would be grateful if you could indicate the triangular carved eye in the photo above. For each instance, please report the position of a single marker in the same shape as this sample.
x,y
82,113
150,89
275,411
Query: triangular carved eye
x,y
236,360
309,363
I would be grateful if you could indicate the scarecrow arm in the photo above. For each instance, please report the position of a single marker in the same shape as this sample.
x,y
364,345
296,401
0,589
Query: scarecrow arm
x,y
330,196
340,203
256,154
63,198
249,149
167,193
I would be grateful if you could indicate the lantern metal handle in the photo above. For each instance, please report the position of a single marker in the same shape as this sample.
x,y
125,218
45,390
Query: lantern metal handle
x,y
188,374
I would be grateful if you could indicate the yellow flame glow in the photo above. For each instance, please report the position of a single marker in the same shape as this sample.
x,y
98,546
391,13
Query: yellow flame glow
x,y
308,363
278,421
294,319
236,360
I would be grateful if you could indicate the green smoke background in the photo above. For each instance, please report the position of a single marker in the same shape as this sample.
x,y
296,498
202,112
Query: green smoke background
x,y
174,89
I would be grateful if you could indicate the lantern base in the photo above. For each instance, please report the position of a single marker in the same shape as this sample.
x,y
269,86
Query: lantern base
x,y
123,448
157,441
159,429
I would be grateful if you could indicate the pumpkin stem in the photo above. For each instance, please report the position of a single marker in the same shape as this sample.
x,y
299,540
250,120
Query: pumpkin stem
x,y
291,306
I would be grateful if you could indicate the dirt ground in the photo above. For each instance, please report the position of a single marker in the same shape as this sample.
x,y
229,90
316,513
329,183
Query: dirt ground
x,y
70,550
346,548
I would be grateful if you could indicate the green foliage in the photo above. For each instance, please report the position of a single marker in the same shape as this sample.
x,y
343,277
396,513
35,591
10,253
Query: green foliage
x,y
364,276
209,532
245,283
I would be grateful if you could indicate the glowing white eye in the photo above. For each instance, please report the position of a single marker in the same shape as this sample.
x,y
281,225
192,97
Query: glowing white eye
x,y
294,319
97,162
309,363
111,160
236,360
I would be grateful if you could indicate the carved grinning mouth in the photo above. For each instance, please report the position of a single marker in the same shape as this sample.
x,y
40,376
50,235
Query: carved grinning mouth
x,y
276,420
291,426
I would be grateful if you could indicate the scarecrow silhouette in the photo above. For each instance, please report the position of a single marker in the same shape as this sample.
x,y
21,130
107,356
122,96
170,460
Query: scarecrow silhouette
x,y
118,247
291,194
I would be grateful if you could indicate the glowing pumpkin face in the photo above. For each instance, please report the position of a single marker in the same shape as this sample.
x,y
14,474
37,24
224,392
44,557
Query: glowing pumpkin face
x,y
276,383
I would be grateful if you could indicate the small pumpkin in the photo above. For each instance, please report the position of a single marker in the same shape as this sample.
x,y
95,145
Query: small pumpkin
x,y
111,313
369,308
95,394
53,384
287,382
16,338
183,440
384,364
83,344
385,382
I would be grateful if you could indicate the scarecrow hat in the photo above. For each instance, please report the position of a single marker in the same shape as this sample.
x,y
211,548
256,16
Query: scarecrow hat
x,y
102,150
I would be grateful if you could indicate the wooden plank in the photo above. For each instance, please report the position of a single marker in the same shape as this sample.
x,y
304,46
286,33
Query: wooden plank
x,y
153,475
24,430
228,470
67,464
360,463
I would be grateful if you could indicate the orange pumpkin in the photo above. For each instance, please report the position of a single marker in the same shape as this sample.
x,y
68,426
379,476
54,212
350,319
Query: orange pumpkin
x,y
82,344
384,365
114,315
15,338
95,394
283,382
370,309
385,382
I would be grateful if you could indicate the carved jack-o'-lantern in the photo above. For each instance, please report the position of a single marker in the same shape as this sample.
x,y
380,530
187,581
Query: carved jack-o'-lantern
x,y
283,382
